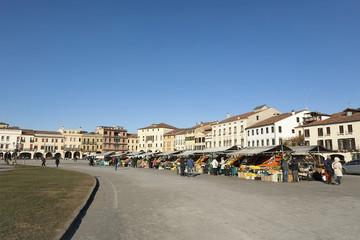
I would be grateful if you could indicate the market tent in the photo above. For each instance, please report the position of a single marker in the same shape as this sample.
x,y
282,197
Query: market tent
x,y
135,153
187,153
149,154
168,153
105,154
219,149
248,151
119,155
304,150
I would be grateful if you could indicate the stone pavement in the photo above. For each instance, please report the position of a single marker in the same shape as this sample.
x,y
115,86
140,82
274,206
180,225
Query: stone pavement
x,y
158,204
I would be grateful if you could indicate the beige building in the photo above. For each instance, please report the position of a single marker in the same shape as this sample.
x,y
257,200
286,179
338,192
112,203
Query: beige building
x,y
48,144
180,140
231,131
199,131
132,142
340,133
72,143
170,140
91,143
151,137
9,139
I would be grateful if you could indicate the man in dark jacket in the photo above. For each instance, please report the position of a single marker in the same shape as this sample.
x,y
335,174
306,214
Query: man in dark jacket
x,y
295,169
328,166
182,166
285,169
190,165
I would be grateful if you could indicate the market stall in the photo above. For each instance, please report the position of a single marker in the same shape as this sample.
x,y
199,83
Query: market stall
x,y
260,163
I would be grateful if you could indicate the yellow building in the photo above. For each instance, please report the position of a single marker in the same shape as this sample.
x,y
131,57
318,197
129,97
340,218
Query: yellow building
x,y
170,140
132,142
196,131
72,143
91,143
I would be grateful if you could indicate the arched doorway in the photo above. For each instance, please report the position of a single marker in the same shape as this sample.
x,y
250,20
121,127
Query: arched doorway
x,y
25,155
98,152
77,155
68,155
58,155
48,155
38,155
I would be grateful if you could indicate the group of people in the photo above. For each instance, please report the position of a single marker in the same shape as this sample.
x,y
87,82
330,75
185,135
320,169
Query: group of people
x,y
333,169
293,166
189,167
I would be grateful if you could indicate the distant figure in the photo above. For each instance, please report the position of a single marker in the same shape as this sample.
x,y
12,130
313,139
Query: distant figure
x,y
295,169
328,166
154,163
215,165
115,160
75,159
57,161
190,166
182,166
43,160
285,169
222,164
91,162
337,170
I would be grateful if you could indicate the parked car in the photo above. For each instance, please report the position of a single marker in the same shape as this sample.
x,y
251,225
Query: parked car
x,y
352,167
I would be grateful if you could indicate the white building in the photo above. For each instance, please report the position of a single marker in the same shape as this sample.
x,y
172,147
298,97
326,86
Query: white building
x,y
340,133
10,139
180,140
274,130
231,131
151,137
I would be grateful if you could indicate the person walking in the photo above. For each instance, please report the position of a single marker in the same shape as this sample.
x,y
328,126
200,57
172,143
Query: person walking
x,y
215,165
285,169
43,160
337,170
57,161
295,169
328,166
190,166
182,166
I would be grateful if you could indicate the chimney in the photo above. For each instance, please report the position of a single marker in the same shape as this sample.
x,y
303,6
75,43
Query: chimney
x,y
293,112
228,115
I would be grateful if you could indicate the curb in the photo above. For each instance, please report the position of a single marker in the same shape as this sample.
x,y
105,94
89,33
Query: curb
x,y
69,229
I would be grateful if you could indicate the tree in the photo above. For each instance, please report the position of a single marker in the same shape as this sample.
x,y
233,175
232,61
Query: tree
x,y
294,141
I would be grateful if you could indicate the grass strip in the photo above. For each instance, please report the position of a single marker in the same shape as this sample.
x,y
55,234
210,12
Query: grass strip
x,y
36,202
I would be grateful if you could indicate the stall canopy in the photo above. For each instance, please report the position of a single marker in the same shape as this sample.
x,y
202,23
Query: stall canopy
x,y
105,154
188,153
305,150
118,154
248,151
135,153
219,149
168,153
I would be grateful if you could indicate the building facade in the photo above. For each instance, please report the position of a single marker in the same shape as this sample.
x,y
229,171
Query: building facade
x,y
114,138
91,143
340,133
180,140
151,137
10,140
48,144
72,143
231,131
133,142
274,130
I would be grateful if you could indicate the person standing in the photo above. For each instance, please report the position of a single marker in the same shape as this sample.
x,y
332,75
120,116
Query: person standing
x,y
222,165
190,166
328,166
115,163
295,169
337,170
43,160
285,169
215,165
57,161
182,166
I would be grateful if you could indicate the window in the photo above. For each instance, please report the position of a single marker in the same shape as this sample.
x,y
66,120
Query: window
x,y
257,131
328,144
350,129
262,131
272,130
307,133
262,142
320,143
328,131
257,118
280,129
219,132
252,132
341,130
234,130
320,132
267,130
267,142
214,133
298,119
273,141
293,130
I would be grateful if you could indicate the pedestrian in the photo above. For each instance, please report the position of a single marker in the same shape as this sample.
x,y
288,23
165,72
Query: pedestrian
x,y
215,165
222,165
285,169
295,169
328,166
91,162
57,161
190,166
337,170
182,166
135,163
115,160
154,163
43,160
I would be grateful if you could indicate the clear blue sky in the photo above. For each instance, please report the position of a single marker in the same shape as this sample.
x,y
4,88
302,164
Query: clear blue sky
x,y
134,63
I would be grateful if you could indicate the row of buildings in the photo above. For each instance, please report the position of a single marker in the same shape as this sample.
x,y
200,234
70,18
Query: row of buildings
x,y
264,126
